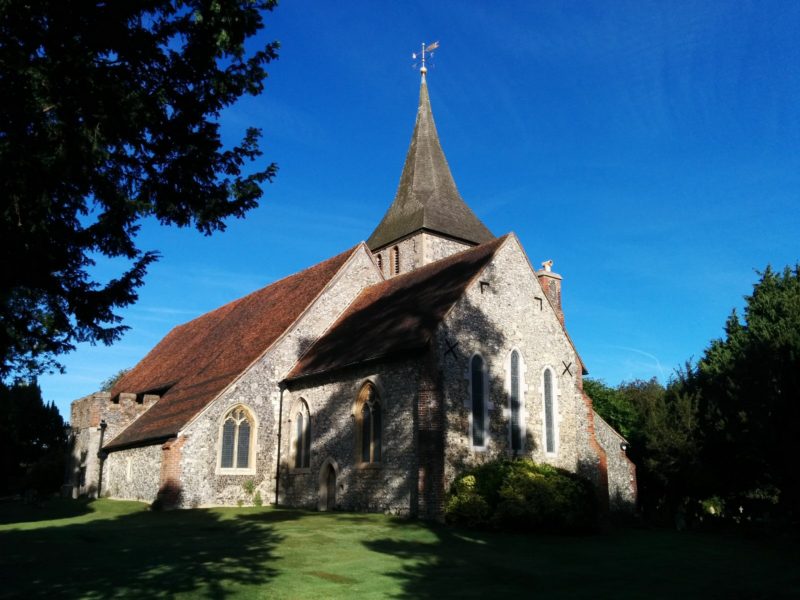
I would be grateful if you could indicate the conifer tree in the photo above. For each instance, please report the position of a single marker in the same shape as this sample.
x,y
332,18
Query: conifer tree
x,y
110,115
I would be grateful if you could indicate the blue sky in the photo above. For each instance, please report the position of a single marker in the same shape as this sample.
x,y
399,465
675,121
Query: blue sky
x,y
651,149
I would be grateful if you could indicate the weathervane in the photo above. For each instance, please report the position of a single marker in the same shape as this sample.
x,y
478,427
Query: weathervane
x,y
421,55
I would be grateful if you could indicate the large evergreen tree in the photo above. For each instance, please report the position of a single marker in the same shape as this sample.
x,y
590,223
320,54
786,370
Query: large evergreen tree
x,y
749,388
33,440
110,115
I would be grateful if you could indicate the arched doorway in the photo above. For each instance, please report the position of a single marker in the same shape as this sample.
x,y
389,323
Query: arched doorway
x,y
330,499
328,476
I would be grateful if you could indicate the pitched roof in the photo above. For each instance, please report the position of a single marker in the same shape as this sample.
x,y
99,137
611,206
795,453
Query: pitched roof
x,y
427,197
397,315
199,359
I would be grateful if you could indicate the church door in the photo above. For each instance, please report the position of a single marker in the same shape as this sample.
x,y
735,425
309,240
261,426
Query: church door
x,y
330,502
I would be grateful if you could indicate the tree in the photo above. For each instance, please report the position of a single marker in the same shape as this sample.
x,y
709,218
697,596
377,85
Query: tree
x,y
110,115
613,406
661,425
664,443
32,440
748,384
109,383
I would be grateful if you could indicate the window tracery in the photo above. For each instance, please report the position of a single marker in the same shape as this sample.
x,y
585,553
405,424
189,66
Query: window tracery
x,y
236,447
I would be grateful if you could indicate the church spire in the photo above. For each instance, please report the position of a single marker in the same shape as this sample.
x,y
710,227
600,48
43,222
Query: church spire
x,y
427,197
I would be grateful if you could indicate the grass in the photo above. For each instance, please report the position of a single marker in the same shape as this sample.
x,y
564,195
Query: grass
x,y
106,549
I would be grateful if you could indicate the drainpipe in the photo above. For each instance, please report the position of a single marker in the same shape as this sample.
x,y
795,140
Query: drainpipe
x,y
280,429
101,454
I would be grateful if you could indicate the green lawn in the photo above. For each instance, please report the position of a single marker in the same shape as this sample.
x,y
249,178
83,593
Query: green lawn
x,y
120,549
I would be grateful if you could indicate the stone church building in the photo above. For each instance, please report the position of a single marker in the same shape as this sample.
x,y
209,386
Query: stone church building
x,y
365,382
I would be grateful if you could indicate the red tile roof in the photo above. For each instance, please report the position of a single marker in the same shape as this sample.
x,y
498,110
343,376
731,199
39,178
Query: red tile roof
x,y
199,359
397,315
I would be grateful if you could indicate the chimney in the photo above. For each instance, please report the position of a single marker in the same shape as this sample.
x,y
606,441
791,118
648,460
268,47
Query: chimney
x,y
551,286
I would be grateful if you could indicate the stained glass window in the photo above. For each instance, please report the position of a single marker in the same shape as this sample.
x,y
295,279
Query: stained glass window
x,y
236,439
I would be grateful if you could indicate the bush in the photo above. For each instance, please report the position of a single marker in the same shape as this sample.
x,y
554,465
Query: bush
x,y
465,505
521,494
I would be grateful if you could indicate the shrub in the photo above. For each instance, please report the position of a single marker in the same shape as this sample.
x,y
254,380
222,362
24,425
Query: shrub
x,y
522,495
465,505
257,501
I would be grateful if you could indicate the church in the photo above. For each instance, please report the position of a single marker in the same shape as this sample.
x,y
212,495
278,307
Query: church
x,y
366,382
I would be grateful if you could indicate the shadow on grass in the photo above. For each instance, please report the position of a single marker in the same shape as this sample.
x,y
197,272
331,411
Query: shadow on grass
x,y
15,511
142,554
621,564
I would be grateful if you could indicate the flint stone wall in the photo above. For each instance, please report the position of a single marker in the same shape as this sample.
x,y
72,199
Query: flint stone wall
x,y
621,471
258,391
436,247
386,487
418,250
503,310
85,416
133,474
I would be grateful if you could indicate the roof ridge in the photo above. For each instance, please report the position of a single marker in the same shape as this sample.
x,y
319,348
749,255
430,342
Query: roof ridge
x,y
235,301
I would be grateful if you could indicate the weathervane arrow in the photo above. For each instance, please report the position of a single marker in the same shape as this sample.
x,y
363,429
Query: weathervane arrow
x,y
422,55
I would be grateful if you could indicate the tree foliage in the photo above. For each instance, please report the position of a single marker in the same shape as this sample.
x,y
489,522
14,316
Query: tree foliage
x,y
110,115
32,440
613,406
748,385
661,425
109,383
725,430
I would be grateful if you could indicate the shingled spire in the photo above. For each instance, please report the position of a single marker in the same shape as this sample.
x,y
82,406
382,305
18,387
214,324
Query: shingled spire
x,y
427,197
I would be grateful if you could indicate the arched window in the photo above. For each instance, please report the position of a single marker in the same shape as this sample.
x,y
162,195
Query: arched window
x,y
370,425
379,261
301,442
236,449
396,260
515,403
549,413
477,387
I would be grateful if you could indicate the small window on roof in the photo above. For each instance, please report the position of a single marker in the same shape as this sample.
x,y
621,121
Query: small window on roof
x,y
396,260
